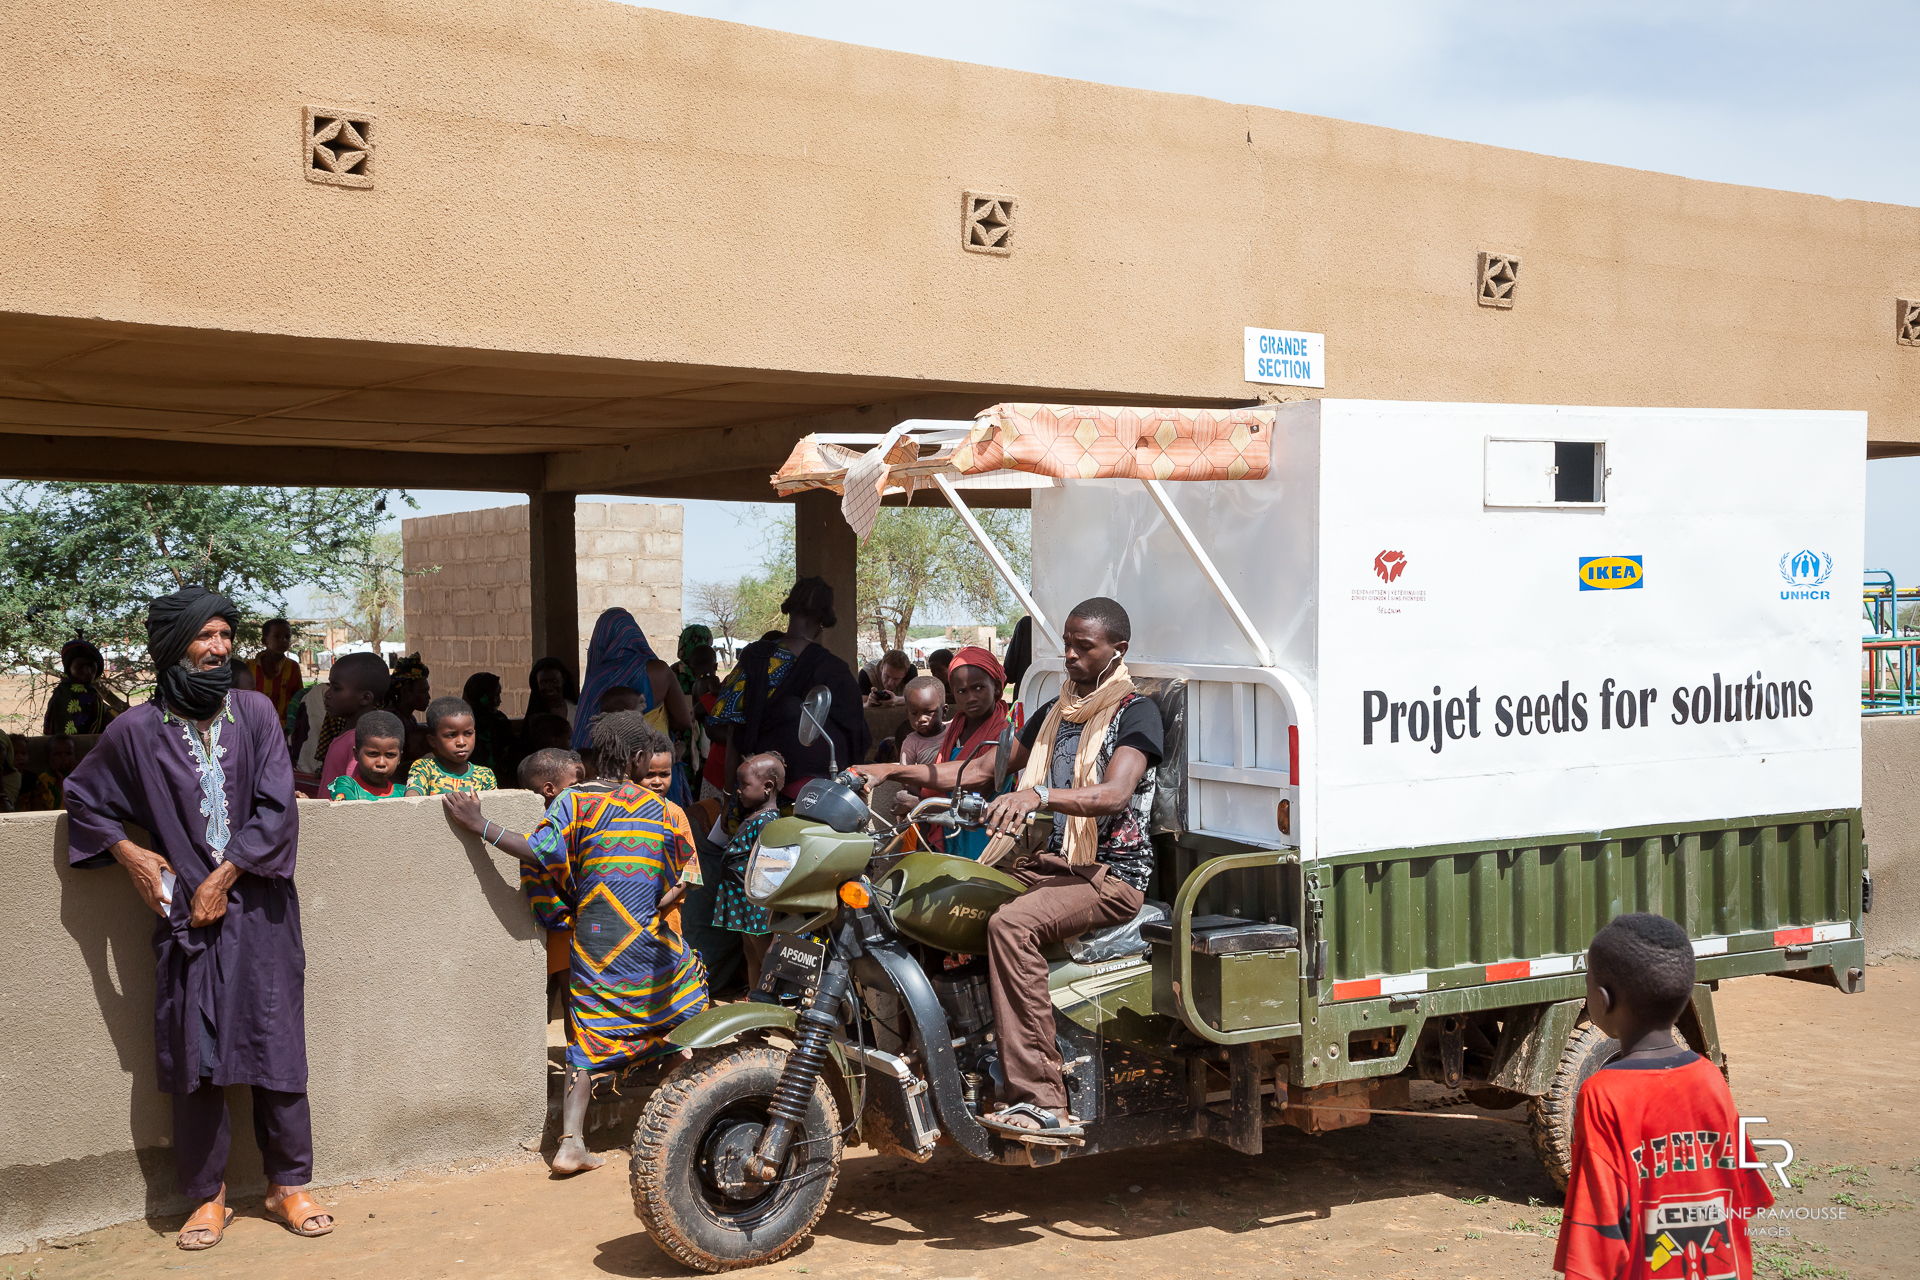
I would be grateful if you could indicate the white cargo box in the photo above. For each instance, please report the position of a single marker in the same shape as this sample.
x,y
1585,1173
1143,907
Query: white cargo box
x,y
1495,622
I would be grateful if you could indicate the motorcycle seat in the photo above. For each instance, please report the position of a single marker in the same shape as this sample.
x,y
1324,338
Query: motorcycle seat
x,y
1115,942
1227,935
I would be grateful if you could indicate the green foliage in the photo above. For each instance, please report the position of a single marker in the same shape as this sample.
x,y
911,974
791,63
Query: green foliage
x,y
1909,620
1779,1262
742,610
373,602
917,559
923,558
88,557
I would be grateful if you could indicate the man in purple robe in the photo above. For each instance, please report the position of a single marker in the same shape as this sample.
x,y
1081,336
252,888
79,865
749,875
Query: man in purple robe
x,y
203,769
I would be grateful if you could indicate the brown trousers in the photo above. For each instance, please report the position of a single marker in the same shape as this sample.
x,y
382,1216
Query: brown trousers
x,y
1063,901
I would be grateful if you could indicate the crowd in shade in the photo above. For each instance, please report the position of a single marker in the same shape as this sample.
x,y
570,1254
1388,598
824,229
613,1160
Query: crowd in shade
x,y
656,776
371,728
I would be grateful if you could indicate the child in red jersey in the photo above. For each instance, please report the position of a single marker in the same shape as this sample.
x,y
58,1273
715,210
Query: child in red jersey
x,y
1656,1191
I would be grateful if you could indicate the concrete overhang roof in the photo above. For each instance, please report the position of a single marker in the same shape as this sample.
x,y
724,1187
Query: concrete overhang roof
x,y
84,399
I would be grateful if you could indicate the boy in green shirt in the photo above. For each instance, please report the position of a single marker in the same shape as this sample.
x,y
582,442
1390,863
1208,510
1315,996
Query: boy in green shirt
x,y
378,740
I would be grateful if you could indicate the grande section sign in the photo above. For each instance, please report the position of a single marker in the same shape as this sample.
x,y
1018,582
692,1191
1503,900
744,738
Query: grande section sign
x,y
1285,358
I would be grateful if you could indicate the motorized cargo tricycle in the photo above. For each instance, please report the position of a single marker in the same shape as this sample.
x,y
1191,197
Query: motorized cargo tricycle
x,y
1446,687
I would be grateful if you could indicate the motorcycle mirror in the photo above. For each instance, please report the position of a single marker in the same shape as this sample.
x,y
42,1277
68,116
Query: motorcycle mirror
x,y
1002,757
813,722
813,714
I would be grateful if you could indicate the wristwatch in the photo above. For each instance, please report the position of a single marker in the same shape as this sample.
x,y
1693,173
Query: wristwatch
x,y
1041,790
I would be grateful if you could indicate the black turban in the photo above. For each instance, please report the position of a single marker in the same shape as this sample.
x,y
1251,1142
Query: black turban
x,y
76,649
172,623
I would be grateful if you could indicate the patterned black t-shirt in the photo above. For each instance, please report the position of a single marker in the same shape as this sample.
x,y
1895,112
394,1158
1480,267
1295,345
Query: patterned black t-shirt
x,y
1124,844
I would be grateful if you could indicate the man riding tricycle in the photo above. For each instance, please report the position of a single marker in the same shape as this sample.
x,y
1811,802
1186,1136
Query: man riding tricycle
x,y
1331,839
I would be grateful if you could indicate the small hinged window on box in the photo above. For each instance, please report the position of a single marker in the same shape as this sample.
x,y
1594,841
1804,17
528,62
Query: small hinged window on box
x,y
1546,473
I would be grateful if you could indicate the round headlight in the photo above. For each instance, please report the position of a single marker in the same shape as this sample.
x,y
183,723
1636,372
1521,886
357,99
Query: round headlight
x,y
768,869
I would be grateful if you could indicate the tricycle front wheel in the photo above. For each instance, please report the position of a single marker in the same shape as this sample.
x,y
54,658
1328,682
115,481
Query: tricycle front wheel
x,y
690,1152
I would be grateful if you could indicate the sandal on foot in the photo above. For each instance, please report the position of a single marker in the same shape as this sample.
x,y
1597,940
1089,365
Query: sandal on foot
x,y
1052,1130
209,1217
296,1209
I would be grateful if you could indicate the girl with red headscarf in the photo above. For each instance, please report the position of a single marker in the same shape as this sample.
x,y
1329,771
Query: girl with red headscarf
x,y
975,678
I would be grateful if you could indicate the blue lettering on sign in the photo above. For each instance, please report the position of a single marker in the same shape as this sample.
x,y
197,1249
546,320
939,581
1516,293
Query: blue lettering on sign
x,y
1272,368
1274,344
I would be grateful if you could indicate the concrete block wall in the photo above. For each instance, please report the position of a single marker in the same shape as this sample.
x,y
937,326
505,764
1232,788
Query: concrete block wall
x,y
474,613
1890,765
426,1014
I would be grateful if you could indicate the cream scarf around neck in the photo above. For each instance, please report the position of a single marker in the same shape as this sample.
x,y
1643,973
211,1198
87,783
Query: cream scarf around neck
x,y
1094,712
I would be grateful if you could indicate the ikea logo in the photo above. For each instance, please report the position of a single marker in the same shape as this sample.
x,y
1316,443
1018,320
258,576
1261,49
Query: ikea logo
x,y
1611,573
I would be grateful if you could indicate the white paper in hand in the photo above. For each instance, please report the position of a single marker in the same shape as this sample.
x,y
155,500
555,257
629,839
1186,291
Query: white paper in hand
x,y
167,880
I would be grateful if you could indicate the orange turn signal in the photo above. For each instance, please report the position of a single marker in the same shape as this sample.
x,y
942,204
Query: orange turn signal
x,y
1283,817
855,894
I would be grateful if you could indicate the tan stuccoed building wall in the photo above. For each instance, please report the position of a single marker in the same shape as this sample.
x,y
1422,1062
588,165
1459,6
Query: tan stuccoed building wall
x,y
473,611
426,1014
588,179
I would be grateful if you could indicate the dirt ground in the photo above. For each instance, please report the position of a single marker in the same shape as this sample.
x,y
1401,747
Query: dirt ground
x,y
1402,1197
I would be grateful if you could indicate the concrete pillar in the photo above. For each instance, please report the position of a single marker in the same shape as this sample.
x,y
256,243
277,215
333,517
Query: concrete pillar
x,y
824,546
556,593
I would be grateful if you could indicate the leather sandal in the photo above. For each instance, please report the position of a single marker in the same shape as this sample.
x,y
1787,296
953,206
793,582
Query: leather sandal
x,y
1052,1131
296,1209
209,1217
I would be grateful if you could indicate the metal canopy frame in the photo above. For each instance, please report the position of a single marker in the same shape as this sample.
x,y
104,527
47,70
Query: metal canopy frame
x,y
949,487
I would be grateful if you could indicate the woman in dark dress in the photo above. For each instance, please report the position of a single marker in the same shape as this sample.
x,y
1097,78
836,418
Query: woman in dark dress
x,y
761,701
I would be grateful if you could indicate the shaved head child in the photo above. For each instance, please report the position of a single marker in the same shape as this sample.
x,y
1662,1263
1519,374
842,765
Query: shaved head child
x,y
546,773
1655,1181
357,684
551,770
379,739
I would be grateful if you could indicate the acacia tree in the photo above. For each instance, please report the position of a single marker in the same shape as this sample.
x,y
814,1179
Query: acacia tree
x,y
919,559
721,605
86,559
922,559
374,602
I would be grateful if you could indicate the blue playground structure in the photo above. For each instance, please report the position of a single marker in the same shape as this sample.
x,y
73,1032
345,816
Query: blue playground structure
x,y
1890,654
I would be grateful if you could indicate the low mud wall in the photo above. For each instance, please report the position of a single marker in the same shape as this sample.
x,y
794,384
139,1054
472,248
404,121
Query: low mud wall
x,y
426,1022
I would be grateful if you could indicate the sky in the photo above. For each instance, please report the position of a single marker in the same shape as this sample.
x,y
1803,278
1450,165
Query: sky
x,y
1804,98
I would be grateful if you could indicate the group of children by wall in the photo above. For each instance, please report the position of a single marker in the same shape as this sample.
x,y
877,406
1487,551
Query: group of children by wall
x,y
25,789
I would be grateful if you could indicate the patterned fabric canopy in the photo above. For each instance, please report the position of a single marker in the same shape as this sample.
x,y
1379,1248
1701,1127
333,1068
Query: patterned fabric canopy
x,y
1024,445
1076,442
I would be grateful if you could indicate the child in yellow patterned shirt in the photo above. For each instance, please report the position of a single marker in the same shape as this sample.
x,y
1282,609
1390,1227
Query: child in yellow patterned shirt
x,y
449,765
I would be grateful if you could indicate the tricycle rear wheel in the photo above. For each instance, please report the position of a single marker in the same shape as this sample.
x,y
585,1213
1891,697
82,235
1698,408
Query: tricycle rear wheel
x,y
689,1149
1550,1116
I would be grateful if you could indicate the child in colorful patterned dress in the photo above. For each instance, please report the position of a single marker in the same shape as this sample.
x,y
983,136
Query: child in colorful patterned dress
x,y
758,791
378,741
624,858
448,764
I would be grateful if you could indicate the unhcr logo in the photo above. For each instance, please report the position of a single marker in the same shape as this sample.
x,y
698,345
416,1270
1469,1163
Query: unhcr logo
x,y
1611,573
1803,572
